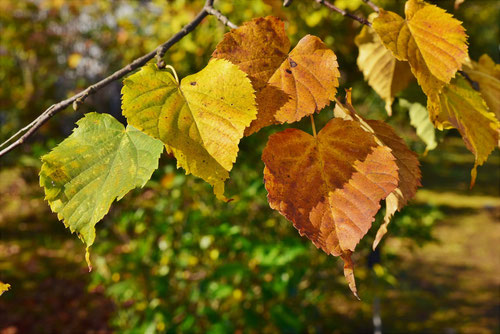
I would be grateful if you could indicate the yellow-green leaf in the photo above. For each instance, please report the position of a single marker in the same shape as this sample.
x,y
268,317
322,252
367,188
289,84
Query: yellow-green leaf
x,y
99,162
384,73
419,118
201,120
487,74
430,39
460,106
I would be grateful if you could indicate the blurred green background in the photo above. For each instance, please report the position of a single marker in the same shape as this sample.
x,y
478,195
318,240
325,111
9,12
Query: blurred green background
x,y
170,258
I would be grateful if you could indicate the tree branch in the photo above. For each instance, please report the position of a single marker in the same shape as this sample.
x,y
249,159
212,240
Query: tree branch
x,y
344,12
78,99
223,19
372,5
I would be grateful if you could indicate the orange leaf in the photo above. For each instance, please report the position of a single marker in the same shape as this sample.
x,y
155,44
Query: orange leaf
x,y
288,86
329,186
309,76
409,174
430,39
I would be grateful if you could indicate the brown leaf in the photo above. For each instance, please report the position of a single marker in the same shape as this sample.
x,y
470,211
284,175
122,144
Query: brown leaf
x,y
302,82
309,76
329,186
409,174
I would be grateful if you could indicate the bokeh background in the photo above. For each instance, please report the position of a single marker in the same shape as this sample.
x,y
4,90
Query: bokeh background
x,y
170,258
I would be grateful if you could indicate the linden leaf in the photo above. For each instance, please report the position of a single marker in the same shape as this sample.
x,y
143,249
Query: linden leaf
x,y
4,287
460,106
430,39
200,121
419,118
309,76
258,47
329,186
487,74
99,162
384,73
288,86
409,174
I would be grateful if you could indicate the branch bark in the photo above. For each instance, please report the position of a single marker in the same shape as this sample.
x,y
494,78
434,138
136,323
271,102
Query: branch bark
x,y
344,12
79,98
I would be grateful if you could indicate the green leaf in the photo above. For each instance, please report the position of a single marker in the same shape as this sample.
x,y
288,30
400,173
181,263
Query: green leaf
x,y
201,120
419,118
99,162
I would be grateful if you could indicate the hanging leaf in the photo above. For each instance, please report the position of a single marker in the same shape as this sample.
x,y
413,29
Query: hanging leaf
x,y
460,106
487,74
99,162
329,186
384,73
419,118
288,86
309,76
258,47
430,39
201,120
409,174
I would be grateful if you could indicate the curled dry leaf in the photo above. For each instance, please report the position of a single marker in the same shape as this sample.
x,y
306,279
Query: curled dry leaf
x,y
201,120
487,74
460,106
430,39
384,73
288,86
329,186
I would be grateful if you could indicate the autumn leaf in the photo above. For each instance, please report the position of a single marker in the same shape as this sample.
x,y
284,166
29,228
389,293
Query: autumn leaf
x,y
487,74
99,162
305,80
384,73
408,173
460,106
430,39
329,186
419,119
258,47
201,120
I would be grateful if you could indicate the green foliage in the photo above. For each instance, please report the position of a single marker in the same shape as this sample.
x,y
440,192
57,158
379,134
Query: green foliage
x,y
100,162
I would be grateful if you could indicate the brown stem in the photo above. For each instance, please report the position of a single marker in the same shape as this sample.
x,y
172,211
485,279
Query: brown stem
x,y
372,5
77,99
344,12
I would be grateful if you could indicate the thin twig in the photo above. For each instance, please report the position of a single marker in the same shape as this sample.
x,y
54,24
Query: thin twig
x,y
223,19
372,5
77,99
313,126
344,12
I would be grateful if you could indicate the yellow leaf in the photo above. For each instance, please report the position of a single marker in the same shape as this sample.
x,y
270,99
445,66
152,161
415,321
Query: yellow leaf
x,y
460,106
487,74
384,73
430,39
201,120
